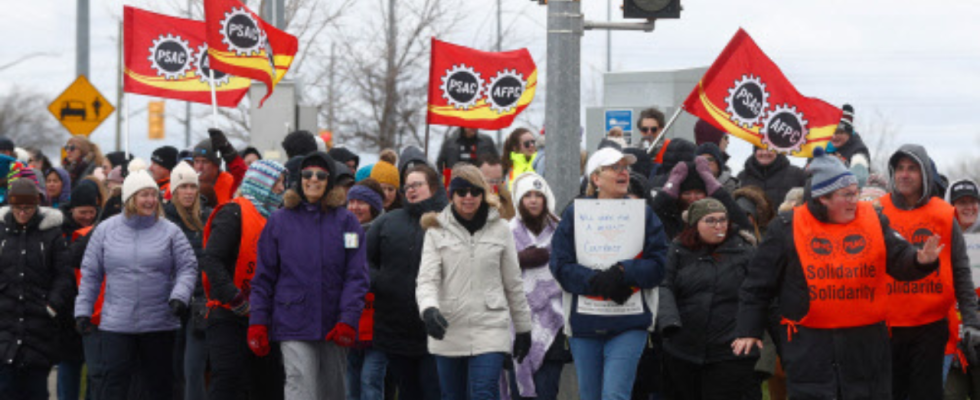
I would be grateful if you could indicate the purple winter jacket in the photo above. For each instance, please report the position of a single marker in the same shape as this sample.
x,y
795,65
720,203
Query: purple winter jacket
x,y
306,280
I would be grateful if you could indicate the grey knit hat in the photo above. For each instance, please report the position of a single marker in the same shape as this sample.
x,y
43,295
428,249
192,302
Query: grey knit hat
x,y
829,174
700,208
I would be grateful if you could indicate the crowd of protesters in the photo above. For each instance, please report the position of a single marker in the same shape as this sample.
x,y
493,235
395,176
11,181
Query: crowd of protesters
x,y
212,273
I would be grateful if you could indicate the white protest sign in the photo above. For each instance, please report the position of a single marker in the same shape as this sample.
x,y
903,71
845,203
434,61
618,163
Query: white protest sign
x,y
607,232
973,251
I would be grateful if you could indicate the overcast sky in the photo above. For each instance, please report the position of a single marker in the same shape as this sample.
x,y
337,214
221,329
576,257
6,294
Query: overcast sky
x,y
914,65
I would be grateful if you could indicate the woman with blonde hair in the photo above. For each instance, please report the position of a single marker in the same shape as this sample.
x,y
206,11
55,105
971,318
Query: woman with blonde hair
x,y
82,157
470,291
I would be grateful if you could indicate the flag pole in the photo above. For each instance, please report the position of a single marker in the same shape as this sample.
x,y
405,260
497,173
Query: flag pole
x,y
214,100
126,122
663,133
426,139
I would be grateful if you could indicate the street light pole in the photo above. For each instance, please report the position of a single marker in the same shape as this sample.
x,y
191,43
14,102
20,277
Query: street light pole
x,y
563,107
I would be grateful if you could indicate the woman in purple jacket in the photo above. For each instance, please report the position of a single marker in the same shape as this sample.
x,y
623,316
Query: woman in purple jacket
x,y
309,286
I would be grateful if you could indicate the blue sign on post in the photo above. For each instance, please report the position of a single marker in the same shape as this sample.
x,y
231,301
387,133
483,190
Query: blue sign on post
x,y
622,119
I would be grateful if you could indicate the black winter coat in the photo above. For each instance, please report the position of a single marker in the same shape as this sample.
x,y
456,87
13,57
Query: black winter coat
x,y
820,363
219,258
775,179
196,239
34,274
699,300
457,148
394,252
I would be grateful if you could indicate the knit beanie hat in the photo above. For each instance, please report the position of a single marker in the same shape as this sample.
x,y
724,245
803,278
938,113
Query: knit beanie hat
x,y
700,208
386,173
6,144
23,192
704,132
138,179
344,155
363,173
693,180
84,194
166,157
847,120
206,150
530,181
711,149
365,194
251,150
117,158
257,185
299,143
829,174
182,174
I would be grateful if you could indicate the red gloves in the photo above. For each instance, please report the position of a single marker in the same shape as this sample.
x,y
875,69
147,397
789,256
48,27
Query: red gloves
x,y
258,340
342,334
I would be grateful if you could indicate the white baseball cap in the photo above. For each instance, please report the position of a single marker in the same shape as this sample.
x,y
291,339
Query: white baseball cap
x,y
606,157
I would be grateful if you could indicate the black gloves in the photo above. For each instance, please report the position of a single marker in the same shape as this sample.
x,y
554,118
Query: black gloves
x,y
178,308
522,346
969,343
533,257
239,304
84,326
435,324
220,143
611,284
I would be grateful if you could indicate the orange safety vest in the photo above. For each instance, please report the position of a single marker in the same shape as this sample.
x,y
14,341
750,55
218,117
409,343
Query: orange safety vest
x,y
224,188
844,268
97,309
929,299
252,224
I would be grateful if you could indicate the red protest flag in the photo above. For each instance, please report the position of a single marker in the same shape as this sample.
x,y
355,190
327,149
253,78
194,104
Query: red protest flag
x,y
479,89
242,44
168,57
744,93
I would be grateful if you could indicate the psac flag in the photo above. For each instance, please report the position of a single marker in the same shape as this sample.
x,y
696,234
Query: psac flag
x,y
745,94
168,57
478,89
242,44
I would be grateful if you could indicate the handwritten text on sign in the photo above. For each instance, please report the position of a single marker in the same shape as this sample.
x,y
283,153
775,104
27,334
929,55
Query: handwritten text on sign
x,y
607,232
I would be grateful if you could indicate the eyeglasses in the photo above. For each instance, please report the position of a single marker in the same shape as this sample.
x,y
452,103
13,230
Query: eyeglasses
x,y
709,158
529,144
320,175
471,191
617,168
649,129
22,209
712,221
849,196
70,147
498,181
413,186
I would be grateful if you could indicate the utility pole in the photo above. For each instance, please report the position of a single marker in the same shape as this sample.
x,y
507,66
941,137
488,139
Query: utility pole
x,y
500,37
563,107
81,38
609,37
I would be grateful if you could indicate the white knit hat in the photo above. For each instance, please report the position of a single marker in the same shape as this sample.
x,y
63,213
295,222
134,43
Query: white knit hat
x,y
137,180
183,173
529,181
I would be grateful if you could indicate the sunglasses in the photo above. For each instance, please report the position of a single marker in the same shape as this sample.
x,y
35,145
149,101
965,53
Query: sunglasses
x,y
472,192
649,129
70,147
529,143
320,175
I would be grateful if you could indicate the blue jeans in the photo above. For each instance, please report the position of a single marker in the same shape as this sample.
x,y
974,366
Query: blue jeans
x,y
69,379
195,364
546,381
366,374
471,378
23,383
606,367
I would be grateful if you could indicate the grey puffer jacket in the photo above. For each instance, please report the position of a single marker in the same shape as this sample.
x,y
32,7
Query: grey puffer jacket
x,y
146,262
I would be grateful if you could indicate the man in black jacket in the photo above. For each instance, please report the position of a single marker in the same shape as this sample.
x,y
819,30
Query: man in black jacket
x,y
772,173
825,263
466,145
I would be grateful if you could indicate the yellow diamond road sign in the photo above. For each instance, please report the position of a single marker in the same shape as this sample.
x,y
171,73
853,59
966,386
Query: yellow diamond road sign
x,y
81,108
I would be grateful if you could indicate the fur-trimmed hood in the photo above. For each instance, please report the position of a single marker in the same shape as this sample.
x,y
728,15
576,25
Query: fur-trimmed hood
x,y
445,218
334,199
50,217
764,210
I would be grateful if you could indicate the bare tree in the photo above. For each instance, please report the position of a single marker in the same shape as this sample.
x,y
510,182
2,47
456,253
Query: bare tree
x,y
24,119
384,74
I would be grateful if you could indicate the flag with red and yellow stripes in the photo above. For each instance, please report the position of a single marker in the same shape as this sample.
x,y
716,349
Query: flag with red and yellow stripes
x,y
168,57
479,89
242,44
745,94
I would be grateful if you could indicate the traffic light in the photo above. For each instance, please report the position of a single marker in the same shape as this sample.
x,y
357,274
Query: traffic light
x,y
155,111
651,9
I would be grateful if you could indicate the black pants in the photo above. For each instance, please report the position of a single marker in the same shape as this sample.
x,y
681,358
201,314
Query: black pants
x,y
917,361
236,372
415,376
724,380
148,356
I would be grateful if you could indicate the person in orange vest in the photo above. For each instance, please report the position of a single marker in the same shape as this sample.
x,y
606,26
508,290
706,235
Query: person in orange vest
x,y
826,265
918,310
230,238
208,166
163,160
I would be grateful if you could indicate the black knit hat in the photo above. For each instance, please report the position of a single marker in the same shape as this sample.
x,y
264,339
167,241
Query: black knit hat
x,y
251,150
299,143
847,120
23,192
166,157
85,194
6,144
206,150
693,180
117,158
